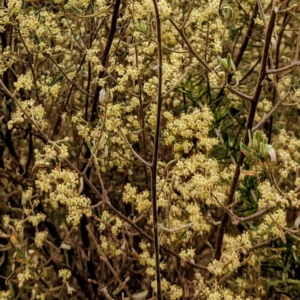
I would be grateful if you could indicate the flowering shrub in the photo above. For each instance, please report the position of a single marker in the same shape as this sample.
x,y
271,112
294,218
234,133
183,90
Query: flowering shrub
x,y
149,149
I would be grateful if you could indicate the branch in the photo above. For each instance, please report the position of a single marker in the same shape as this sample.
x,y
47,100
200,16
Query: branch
x,y
188,14
133,151
155,151
262,13
192,50
106,261
269,114
237,219
176,83
110,38
56,250
238,93
286,68
66,76
172,230
251,115
30,60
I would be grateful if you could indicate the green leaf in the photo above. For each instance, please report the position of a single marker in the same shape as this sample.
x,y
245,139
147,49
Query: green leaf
x,y
90,146
223,64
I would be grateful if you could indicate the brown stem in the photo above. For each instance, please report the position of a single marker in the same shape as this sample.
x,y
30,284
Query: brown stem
x,y
106,261
286,19
243,47
113,27
67,77
192,50
30,61
251,115
142,114
245,42
155,151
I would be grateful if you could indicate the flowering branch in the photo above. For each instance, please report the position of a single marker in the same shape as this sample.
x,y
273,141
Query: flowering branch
x,y
251,115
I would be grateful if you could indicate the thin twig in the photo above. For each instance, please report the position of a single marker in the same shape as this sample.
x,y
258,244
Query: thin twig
x,y
106,261
188,14
238,93
192,50
262,13
176,83
105,55
175,51
283,69
67,77
133,151
96,145
142,113
250,70
172,230
269,114
56,250
237,219
30,65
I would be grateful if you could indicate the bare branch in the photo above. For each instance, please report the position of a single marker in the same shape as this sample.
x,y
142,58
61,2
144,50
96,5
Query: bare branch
x,y
133,151
155,151
283,69
192,50
238,93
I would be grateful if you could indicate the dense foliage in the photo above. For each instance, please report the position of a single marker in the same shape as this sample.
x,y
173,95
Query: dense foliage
x,y
149,149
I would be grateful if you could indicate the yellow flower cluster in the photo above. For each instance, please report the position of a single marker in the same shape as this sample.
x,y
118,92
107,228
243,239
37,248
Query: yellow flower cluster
x,y
271,226
171,292
200,15
270,197
65,275
141,201
106,139
7,58
92,55
62,186
229,260
24,82
181,132
109,248
187,255
216,79
39,238
5,295
23,276
28,262
48,88
14,6
38,29
263,108
80,5
36,219
36,113
4,20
